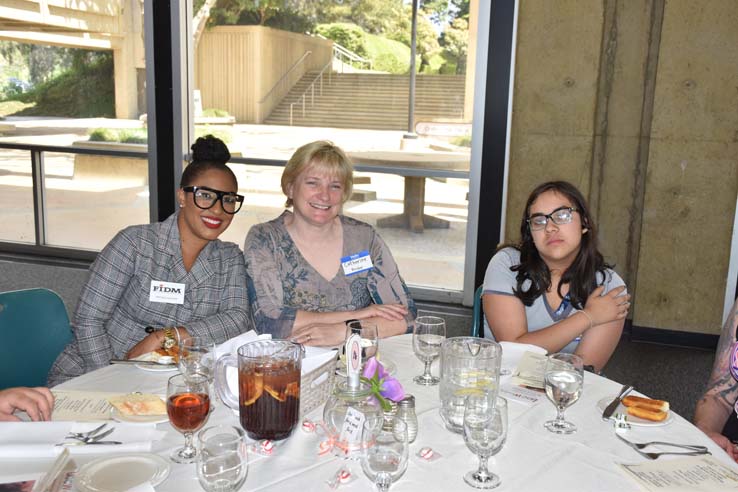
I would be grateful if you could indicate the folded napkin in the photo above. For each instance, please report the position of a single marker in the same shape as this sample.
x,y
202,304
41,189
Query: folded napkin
x,y
512,352
39,439
231,346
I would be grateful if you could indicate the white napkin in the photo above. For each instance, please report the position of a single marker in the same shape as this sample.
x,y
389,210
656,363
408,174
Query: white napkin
x,y
231,346
39,439
512,352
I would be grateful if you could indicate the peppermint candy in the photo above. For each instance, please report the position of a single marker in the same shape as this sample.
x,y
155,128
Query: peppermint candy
x,y
308,426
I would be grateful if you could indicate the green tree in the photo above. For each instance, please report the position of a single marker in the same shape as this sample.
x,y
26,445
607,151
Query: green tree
x,y
455,42
427,40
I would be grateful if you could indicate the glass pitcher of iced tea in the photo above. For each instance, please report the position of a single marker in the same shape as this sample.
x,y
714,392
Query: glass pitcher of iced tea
x,y
268,397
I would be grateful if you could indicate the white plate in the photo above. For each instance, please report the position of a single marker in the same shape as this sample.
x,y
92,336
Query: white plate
x,y
121,472
116,415
154,357
632,420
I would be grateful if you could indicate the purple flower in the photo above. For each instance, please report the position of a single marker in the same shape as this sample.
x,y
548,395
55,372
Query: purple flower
x,y
392,389
383,385
373,367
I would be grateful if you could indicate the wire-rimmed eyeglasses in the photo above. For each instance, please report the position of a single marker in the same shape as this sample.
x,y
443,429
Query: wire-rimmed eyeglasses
x,y
205,198
560,216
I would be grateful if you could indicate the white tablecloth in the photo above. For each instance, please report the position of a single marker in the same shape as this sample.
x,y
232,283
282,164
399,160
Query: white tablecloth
x,y
532,459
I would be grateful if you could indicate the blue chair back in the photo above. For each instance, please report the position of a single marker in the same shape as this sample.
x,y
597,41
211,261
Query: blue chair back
x,y
34,329
478,313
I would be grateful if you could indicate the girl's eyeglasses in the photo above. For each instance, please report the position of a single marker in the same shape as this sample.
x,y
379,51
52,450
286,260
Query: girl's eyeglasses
x,y
560,216
205,198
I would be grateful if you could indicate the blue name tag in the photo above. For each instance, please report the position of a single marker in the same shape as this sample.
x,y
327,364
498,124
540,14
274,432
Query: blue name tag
x,y
356,263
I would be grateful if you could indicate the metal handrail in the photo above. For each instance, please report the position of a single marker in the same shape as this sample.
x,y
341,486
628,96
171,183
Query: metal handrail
x,y
311,88
340,51
284,76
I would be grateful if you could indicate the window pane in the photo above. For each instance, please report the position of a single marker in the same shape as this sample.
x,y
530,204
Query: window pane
x,y
16,196
65,79
348,81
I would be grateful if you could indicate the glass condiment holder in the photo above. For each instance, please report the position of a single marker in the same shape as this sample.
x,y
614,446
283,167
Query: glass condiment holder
x,y
361,406
406,411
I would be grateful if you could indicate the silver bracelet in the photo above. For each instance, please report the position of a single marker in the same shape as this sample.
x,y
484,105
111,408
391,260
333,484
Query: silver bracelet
x,y
591,321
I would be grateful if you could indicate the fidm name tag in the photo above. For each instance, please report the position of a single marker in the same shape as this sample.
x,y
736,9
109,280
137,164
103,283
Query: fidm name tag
x,y
359,262
169,292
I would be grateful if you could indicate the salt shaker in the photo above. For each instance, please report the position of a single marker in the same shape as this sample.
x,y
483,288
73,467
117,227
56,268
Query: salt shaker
x,y
406,411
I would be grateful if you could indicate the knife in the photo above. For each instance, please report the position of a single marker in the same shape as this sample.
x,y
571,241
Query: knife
x,y
141,362
613,405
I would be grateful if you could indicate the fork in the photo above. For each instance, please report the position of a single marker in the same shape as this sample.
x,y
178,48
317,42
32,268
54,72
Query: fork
x,y
94,438
653,456
640,446
82,435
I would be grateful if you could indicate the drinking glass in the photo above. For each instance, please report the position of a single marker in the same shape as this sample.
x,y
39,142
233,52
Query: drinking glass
x,y
485,432
428,335
385,458
222,459
369,338
197,356
563,377
188,406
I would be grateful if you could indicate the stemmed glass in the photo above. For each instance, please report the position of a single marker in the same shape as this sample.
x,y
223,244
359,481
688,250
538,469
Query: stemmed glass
x,y
428,335
563,377
197,356
369,338
188,406
222,459
485,432
385,458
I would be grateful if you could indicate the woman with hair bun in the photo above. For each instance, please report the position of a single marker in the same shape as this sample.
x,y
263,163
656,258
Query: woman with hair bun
x,y
155,283
554,289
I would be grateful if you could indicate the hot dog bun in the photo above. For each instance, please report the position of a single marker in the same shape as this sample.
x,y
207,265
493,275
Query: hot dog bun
x,y
653,405
647,413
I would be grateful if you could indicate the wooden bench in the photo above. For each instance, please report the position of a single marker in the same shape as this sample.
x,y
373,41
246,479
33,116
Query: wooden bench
x,y
414,166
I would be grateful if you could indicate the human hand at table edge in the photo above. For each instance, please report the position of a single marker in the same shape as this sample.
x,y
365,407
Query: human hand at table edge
x,y
725,444
391,312
153,341
38,403
320,334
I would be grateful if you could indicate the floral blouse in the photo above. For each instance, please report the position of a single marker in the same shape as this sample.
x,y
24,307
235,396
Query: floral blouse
x,y
281,282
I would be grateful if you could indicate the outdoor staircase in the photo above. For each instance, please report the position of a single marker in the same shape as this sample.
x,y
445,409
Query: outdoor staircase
x,y
371,101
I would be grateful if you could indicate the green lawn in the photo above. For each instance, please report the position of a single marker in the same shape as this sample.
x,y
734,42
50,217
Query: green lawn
x,y
11,107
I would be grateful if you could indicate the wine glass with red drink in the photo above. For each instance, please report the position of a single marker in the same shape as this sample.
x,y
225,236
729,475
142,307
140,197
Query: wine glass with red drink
x,y
188,406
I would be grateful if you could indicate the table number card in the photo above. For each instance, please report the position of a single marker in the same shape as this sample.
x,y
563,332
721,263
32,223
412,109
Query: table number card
x,y
692,474
353,424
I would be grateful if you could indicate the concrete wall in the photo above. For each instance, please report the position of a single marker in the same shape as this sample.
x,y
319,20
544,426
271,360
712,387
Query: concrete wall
x,y
637,104
265,55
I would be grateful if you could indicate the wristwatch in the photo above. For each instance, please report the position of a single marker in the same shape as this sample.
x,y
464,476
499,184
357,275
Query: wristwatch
x,y
170,338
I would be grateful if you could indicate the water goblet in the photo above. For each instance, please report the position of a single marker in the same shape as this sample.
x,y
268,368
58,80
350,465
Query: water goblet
x,y
563,377
222,458
188,406
369,337
428,335
386,452
485,432
196,356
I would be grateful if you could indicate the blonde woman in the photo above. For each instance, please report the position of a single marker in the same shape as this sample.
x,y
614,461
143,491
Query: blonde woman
x,y
312,269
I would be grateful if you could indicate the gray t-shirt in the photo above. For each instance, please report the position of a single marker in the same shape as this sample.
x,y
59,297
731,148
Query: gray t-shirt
x,y
499,279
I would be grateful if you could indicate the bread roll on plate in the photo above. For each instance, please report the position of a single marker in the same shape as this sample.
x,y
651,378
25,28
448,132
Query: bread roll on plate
x,y
647,413
638,401
139,404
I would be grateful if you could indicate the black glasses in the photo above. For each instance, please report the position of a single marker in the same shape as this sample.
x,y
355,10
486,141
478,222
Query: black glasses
x,y
205,198
560,216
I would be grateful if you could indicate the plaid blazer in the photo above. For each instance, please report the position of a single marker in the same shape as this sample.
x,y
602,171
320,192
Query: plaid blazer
x,y
114,308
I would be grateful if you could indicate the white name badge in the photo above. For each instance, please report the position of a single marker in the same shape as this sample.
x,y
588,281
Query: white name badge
x,y
359,262
168,292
